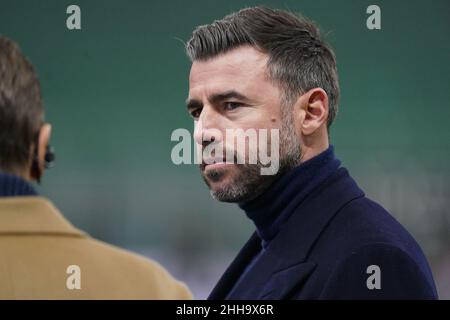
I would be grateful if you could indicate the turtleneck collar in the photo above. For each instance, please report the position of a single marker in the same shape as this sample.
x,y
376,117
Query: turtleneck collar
x,y
11,185
274,206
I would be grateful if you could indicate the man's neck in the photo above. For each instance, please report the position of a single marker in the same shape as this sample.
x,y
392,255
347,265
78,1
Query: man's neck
x,y
14,185
273,207
309,151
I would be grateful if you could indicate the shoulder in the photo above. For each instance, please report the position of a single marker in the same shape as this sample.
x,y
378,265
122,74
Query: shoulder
x,y
367,241
144,277
365,222
378,271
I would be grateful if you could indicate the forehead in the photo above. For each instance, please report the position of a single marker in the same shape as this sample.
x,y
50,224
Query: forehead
x,y
243,69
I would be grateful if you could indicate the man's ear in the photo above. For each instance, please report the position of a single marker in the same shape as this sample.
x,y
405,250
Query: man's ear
x,y
311,111
43,140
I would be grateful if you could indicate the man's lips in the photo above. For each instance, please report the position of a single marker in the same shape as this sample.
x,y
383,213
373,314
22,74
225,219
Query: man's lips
x,y
215,166
214,163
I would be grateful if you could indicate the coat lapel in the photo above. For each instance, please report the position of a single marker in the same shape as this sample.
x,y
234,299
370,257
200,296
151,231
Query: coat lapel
x,y
284,266
226,282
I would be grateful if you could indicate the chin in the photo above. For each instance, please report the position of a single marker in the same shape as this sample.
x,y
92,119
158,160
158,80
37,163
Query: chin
x,y
231,183
227,193
221,184
218,180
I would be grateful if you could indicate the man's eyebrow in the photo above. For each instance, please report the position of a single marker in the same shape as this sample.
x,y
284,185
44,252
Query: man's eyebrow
x,y
216,98
223,96
193,104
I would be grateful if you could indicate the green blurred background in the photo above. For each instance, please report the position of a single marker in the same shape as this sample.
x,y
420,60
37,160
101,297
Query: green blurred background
x,y
114,92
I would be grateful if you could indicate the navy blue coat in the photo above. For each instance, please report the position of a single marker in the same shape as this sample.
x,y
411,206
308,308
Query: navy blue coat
x,y
325,249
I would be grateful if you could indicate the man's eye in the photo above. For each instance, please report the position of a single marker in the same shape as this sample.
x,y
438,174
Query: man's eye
x,y
232,105
196,113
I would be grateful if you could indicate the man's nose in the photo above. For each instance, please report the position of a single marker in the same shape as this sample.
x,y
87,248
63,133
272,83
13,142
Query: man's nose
x,y
207,129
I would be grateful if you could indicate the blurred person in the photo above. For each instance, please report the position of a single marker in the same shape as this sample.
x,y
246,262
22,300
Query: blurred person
x,y
317,235
41,253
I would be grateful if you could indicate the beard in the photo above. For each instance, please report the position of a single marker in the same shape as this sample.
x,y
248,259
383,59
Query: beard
x,y
245,182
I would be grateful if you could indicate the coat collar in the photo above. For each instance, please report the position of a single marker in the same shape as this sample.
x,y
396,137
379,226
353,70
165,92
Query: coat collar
x,y
13,185
270,210
281,267
33,215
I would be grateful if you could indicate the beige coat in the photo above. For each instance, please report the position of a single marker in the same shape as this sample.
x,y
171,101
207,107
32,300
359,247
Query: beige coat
x,y
38,246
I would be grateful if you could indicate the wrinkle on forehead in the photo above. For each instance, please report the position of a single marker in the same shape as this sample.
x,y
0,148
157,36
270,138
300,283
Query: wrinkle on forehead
x,y
245,68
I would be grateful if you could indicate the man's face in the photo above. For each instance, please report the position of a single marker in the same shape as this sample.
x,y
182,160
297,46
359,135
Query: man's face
x,y
233,91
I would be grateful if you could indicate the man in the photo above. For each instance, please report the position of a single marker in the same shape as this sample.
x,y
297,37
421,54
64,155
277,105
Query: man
x,y
317,235
42,256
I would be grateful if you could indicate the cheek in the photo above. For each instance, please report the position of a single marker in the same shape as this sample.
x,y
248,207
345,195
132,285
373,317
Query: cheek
x,y
261,117
273,116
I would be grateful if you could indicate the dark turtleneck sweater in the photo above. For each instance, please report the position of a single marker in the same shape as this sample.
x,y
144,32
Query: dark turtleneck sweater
x,y
270,210
11,185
